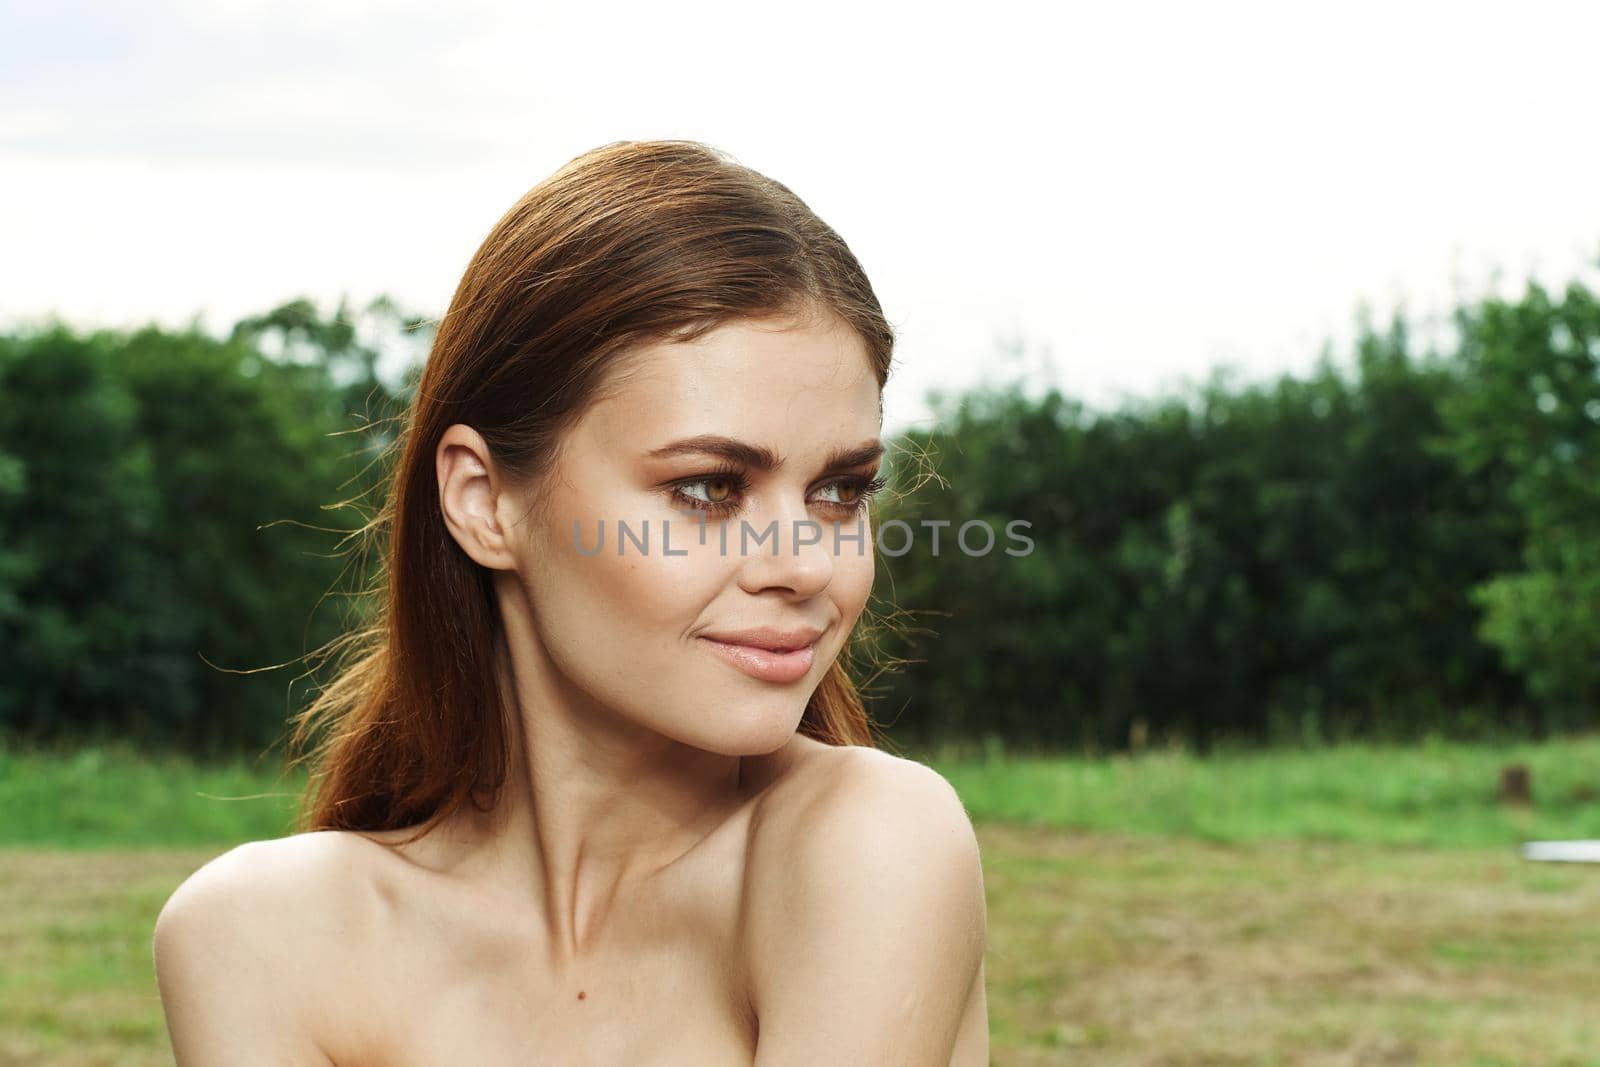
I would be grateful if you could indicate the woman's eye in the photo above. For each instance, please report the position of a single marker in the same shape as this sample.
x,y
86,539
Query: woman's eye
x,y
721,493
716,491
848,493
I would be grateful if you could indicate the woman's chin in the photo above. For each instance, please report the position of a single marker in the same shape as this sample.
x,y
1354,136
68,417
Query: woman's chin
x,y
756,729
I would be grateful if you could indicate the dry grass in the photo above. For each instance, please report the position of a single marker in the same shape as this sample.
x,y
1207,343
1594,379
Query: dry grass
x,y
1104,950
1141,950
76,983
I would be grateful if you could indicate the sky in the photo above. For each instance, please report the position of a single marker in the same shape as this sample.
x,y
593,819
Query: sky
x,y
1111,199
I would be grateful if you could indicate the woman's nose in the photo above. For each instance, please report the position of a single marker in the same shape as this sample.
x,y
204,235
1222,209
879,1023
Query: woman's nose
x,y
793,551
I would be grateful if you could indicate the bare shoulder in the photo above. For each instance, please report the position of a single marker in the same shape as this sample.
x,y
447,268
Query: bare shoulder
x,y
855,789
250,947
266,890
863,915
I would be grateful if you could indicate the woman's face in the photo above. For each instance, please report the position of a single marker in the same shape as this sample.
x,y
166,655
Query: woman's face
x,y
729,543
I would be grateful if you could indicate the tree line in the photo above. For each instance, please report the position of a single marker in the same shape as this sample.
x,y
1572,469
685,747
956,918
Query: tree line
x,y
1405,542
1401,546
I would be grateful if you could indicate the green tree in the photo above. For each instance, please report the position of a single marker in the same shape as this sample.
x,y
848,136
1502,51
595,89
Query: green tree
x,y
176,510
1532,416
78,497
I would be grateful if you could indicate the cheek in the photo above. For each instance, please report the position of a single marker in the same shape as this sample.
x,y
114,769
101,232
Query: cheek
x,y
852,582
613,626
640,592
627,612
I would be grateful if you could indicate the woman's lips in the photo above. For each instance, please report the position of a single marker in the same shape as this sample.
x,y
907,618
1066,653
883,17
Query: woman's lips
x,y
763,663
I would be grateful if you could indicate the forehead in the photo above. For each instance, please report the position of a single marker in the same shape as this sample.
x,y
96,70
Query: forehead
x,y
799,385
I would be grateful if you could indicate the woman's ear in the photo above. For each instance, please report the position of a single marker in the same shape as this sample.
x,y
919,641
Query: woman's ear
x,y
470,497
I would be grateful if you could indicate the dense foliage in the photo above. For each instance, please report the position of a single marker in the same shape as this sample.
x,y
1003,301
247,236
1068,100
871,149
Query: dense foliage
x,y
164,498
1406,546
1403,544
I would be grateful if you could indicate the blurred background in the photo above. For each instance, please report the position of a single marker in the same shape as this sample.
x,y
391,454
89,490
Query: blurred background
x,y
1279,323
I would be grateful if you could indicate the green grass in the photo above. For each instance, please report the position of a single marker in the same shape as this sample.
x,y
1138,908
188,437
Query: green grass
x,y
114,797
1109,949
1359,904
1435,795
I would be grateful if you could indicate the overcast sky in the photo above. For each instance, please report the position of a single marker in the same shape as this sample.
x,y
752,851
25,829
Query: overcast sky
x,y
1138,192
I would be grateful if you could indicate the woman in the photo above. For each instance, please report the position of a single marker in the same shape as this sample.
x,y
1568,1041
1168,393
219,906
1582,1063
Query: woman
x,y
596,787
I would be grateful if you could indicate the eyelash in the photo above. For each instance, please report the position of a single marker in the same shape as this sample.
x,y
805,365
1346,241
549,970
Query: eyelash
x,y
866,489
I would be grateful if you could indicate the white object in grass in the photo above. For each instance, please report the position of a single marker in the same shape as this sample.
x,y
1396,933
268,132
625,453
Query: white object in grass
x,y
1562,851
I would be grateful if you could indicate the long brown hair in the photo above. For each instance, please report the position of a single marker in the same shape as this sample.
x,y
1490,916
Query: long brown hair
x,y
632,242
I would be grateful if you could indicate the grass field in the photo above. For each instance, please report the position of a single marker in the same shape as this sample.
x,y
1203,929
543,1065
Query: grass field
x,y
1353,906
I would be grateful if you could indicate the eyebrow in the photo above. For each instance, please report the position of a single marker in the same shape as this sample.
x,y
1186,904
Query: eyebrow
x,y
759,456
